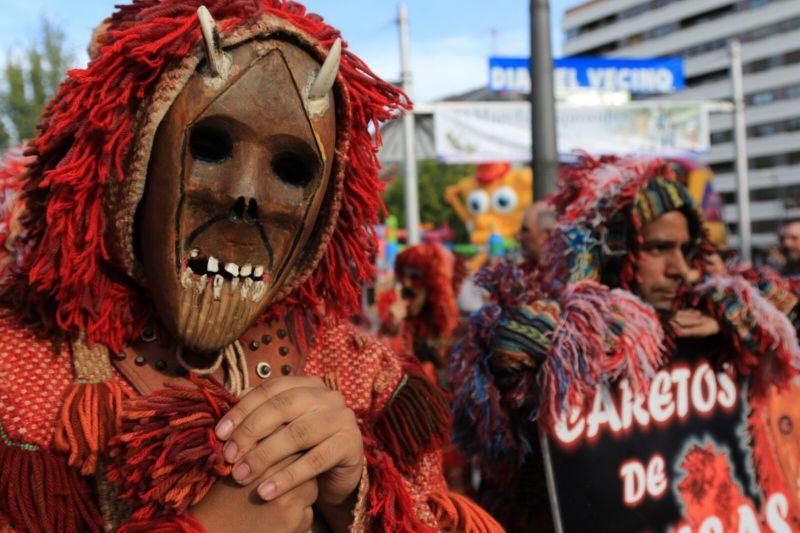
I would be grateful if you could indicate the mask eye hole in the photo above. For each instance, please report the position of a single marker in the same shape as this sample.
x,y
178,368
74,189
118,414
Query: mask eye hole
x,y
293,169
210,144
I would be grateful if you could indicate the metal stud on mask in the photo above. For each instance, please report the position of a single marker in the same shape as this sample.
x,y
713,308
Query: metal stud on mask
x,y
237,178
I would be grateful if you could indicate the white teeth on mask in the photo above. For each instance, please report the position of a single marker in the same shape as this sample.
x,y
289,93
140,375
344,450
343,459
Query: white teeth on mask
x,y
258,290
232,269
201,284
186,278
246,279
218,281
246,286
213,265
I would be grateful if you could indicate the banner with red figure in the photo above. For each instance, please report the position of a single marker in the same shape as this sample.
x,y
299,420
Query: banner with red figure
x,y
692,454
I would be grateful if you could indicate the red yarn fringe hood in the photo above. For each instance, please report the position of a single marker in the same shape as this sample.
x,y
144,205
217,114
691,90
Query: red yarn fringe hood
x,y
441,275
80,271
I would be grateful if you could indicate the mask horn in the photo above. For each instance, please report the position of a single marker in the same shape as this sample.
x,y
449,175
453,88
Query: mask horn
x,y
208,27
327,74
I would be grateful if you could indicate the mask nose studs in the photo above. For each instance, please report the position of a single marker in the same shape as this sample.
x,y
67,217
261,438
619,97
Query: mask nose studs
x,y
244,210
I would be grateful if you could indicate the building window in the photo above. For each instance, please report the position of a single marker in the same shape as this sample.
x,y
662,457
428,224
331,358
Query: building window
x,y
762,98
722,168
793,92
764,130
758,66
720,137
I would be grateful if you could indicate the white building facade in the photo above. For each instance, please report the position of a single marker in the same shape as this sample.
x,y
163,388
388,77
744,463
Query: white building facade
x,y
699,30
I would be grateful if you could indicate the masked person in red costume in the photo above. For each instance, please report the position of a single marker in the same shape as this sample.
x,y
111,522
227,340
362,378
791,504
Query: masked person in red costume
x,y
421,322
196,227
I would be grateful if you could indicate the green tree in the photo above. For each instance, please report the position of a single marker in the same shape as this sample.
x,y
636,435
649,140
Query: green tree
x,y
29,82
433,177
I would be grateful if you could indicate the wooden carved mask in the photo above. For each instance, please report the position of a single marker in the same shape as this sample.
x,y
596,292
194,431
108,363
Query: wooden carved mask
x,y
237,178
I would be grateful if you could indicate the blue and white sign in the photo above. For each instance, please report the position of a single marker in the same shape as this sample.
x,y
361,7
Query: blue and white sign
x,y
642,76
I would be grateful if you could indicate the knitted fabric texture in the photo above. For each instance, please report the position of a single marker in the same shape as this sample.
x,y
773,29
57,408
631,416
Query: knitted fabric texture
x,y
38,490
401,493
755,329
91,157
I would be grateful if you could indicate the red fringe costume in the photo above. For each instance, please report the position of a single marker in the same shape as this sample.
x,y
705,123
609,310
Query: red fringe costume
x,y
439,273
80,450
428,337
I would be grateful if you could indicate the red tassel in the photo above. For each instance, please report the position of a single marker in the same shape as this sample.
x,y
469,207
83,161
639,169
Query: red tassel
x,y
89,419
171,524
416,420
167,456
458,513
39,492
390,502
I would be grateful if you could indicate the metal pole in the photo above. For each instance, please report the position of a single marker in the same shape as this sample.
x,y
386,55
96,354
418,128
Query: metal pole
x,y
550,478
545,165
740,136
410,187
543,112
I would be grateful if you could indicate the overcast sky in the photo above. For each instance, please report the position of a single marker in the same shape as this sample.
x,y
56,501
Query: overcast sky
x,y
450,39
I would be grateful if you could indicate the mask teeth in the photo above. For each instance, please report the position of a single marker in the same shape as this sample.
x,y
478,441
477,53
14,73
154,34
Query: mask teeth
x,y
232,269
195,253
186,278
258,272
234,284
259,289
213,265
201,284
246,286
246,270
218,281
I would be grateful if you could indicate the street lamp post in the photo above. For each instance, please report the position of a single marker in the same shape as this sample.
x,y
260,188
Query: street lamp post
x,y
740,138
410,158
543,113
545,164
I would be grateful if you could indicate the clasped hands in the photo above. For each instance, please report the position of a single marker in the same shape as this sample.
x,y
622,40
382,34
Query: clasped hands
x,y
293,444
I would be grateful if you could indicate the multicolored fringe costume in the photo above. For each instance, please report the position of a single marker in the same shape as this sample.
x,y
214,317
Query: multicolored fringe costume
x,y
547,341
80,449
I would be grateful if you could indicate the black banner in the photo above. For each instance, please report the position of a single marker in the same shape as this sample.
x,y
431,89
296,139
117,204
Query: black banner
x,y
677,458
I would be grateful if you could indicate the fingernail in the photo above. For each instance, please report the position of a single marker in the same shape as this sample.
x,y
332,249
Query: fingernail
x,y
267,490
224,429
241,472
245,392
229,451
